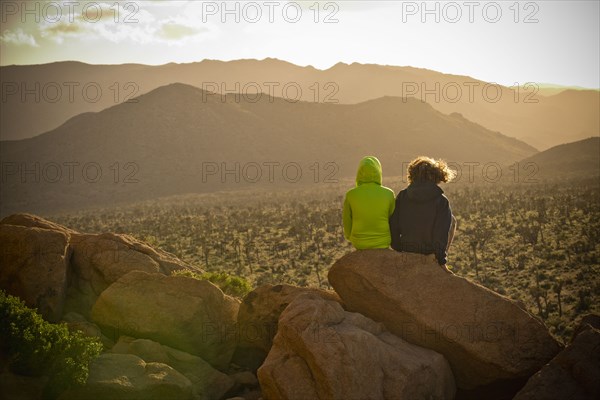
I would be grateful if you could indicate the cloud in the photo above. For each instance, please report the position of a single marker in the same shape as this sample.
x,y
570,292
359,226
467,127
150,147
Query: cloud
x,y
60,31
109,24
18,38
124,25
174,31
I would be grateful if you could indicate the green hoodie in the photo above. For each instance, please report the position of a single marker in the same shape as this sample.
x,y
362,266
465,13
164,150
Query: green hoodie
x,y
367,208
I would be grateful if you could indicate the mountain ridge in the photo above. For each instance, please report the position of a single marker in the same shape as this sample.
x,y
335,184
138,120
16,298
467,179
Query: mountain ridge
x,y
580,159
171,135
550,121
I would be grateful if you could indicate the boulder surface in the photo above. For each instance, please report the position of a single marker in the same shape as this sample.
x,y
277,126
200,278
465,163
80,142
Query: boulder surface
x,y
184,313
33,221
207,382
101,259
486,337
34,265
323,352
125,376
573,374
258,316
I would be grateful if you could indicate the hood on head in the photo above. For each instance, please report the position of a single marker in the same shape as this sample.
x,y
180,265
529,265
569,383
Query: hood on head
x,y
423,192
369,171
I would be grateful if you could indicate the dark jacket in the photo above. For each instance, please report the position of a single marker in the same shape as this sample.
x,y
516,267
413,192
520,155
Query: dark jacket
x,y
421,220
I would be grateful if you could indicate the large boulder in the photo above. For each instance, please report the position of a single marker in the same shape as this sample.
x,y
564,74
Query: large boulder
x,y
185,313
323,352
207,382
34,265
486,337
99,260
128,377
258,316
573,374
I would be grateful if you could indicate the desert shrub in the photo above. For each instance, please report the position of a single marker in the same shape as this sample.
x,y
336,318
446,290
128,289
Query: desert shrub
x,y
36,347
585,300
230,284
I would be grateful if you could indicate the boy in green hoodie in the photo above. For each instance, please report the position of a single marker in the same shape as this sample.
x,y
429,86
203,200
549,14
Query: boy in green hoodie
x,y
368,207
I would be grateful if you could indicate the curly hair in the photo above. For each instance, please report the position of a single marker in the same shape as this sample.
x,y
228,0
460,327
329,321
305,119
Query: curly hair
x,y
426,169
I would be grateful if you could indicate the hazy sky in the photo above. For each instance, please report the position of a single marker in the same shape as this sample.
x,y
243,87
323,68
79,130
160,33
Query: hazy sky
x,y
504,41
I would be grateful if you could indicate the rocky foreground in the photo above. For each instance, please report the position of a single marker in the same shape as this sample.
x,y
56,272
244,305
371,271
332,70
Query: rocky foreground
x,y
396,327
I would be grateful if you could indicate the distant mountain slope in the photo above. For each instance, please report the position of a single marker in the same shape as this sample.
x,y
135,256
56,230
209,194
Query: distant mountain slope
x,y
549,89
579,159
176,138
542,121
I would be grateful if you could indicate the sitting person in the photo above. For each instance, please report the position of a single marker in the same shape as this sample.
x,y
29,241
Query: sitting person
x,y
367,208
422,221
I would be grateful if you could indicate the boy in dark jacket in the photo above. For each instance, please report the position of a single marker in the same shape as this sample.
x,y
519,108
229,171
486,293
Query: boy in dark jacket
x,y
422,221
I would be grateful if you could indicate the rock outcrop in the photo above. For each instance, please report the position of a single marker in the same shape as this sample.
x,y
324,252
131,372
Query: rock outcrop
x,y
486,337
398,326
323,352
34,265
125,376
60,270
573,374
184,313
207,382
258,316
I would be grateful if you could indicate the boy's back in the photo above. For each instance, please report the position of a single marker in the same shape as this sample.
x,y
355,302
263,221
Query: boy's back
x,y
367,208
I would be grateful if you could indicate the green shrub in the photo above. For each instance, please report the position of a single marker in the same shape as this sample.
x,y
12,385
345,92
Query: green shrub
x,y
230,284
36,347
585,300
